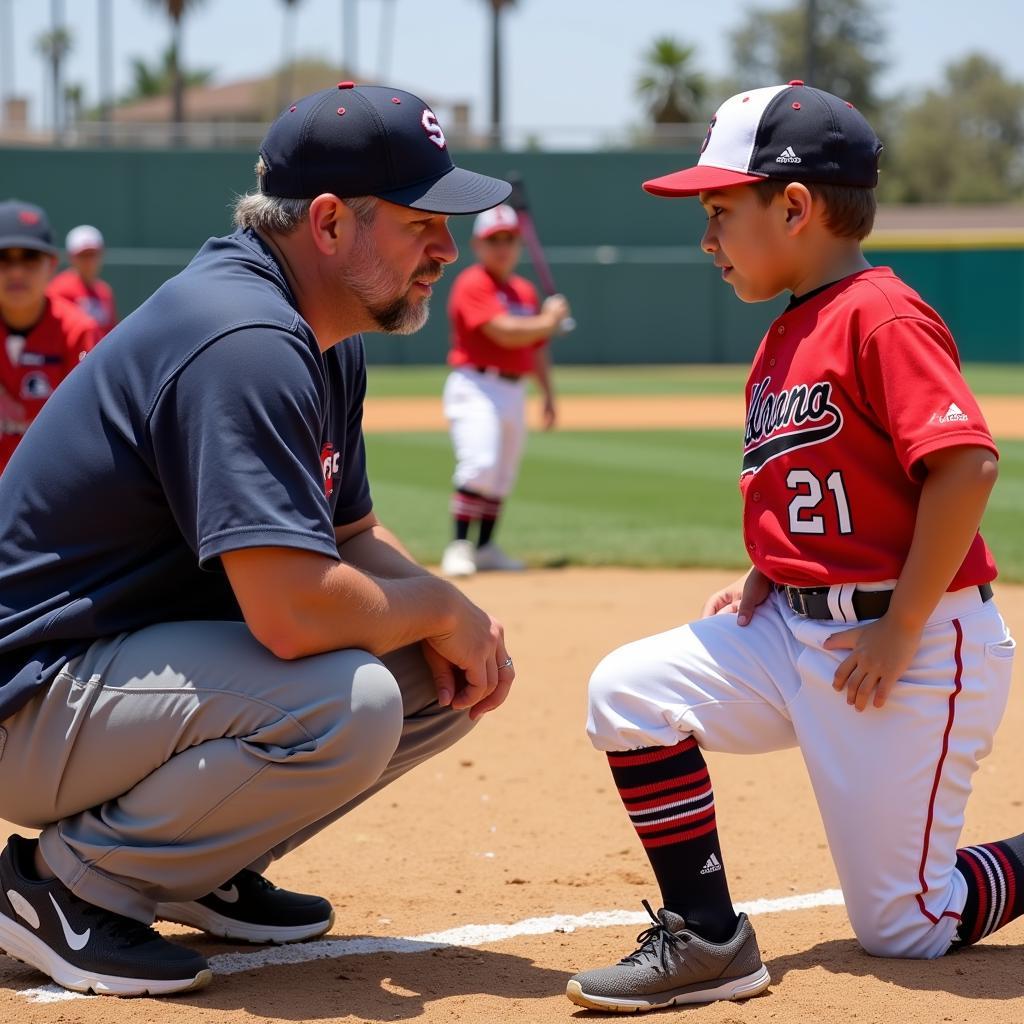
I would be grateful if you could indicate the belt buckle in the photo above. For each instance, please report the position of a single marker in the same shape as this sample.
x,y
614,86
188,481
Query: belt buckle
x,y
791,595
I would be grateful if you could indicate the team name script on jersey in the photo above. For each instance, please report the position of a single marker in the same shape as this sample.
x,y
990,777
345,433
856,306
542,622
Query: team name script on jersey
x,y
782,421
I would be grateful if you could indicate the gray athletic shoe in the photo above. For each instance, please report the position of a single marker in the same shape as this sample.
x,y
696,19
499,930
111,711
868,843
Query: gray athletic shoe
x,y
674,965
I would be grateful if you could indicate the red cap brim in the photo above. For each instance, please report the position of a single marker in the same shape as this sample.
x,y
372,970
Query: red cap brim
x,y
702,178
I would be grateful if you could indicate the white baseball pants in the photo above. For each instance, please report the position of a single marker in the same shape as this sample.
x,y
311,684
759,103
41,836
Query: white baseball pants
x,y
487,421
891,783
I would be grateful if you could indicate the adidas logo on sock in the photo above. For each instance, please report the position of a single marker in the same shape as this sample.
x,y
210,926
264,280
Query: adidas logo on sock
x,y
787,156
713,865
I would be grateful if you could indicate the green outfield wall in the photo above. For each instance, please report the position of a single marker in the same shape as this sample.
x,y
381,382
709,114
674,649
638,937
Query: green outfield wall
x,y
642,292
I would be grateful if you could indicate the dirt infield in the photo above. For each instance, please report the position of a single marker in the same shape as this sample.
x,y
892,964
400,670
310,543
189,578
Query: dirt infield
x,y
520,821
1004,413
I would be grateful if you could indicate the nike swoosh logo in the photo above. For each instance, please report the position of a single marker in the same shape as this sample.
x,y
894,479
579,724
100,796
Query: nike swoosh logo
x,y
23,908
229,893
73,939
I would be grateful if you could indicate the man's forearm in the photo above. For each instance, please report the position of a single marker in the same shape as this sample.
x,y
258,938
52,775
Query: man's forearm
x,y
378,551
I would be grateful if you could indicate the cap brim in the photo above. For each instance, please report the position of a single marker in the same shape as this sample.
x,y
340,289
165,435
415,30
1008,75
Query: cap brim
x,y
702,178
456,191
23,242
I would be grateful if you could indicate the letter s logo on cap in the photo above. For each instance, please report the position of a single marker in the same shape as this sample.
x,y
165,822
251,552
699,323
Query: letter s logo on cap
x,y
432,128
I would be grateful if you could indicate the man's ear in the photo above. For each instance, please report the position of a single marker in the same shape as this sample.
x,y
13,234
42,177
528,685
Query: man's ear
x,y
799,206
331,224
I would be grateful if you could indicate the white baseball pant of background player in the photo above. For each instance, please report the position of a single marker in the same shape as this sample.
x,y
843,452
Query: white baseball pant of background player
x,y
891,783
487,418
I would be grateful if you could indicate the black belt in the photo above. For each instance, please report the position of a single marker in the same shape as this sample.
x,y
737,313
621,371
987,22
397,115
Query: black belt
x,y
503,374
812,602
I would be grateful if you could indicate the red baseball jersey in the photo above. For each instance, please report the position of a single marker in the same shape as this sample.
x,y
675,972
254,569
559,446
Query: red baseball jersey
x,y
849,390
476,299
33,364
96,300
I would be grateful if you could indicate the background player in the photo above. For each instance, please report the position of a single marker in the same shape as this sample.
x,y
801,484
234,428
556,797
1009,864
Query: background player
x,y
43,338
499,334
865,632
81,282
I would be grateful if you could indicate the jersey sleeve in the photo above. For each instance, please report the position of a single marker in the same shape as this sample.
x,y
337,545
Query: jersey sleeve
x,y
910,375
238,453
474,301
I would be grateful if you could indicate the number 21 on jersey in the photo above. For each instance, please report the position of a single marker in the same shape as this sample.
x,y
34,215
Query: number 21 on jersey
x,y
810,495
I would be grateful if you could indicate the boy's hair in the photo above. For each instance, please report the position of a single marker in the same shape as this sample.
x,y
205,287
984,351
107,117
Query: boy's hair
x,y
849,209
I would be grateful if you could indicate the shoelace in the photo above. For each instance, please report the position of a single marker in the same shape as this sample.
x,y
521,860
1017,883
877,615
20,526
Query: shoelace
x,y
251,880
654,941
124,930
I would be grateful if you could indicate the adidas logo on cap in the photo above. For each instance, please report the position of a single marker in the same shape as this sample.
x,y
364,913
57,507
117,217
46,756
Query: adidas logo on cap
x,y
787,156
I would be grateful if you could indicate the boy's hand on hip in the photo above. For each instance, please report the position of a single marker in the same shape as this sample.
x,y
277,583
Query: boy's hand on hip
x,y
880,653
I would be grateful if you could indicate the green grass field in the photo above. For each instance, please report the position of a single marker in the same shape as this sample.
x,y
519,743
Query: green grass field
x,y
678,379
638,498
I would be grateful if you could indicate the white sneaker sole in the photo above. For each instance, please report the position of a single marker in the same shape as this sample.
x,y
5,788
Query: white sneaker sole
x,y
195,915
23,945
737,988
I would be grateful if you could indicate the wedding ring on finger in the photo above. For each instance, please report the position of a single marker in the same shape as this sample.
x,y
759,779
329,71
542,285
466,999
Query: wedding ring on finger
x,y
507,663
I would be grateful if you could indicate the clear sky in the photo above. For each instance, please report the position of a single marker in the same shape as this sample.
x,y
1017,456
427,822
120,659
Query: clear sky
x,y
570,64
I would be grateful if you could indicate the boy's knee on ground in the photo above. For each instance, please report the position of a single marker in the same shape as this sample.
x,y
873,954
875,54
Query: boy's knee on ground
x,y
898,929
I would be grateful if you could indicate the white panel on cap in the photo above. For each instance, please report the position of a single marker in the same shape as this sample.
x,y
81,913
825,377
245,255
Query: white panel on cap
x,y
732,138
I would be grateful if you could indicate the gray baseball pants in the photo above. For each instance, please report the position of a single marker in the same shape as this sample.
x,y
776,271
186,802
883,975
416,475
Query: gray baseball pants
x,y
161,762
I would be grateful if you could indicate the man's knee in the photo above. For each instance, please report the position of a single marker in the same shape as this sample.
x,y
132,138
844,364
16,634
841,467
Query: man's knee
x,y
615,701
355,721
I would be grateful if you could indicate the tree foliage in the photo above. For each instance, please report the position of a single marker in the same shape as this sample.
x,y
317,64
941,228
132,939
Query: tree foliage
x,y
157,79
672,89
962,142
771,46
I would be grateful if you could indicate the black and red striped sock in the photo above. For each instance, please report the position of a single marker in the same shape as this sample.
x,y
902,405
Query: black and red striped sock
x,y
466,508
490,512
667,793
994,873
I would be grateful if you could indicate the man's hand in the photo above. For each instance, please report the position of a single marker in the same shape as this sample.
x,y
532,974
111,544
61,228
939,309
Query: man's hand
x,y
742,596
880,653
468,662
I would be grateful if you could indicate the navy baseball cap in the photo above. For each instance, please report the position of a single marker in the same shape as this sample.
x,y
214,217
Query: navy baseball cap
x,y
790,132
24,226
370,140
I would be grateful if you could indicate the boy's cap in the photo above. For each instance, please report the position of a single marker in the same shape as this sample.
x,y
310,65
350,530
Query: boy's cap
x,y
83,239
492,222
370,140
24,226
792,132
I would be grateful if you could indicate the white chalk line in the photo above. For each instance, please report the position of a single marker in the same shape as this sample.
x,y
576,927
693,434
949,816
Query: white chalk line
x,y
467,935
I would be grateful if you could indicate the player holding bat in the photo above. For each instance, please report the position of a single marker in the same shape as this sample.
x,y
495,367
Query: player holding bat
x,y
499,335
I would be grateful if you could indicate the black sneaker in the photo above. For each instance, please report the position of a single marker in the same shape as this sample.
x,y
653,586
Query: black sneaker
x,y
83,947
248,908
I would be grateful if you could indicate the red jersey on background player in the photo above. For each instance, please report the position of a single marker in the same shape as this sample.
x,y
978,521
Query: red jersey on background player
x,y
866,469
499,334
43,338
81,283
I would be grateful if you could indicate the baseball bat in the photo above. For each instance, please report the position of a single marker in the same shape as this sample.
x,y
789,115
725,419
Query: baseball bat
x,y
517,200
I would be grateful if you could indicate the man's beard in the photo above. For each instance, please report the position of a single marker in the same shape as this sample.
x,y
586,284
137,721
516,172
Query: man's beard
x,y
381,290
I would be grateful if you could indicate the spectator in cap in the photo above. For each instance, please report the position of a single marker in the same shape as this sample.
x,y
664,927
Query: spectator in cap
x,y
261,653
81,282
499,336
43,338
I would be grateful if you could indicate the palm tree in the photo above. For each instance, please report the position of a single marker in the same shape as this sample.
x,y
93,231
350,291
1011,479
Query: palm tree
x,y
175,10
285,75
671,88
497,6
54,46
